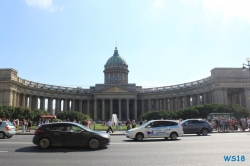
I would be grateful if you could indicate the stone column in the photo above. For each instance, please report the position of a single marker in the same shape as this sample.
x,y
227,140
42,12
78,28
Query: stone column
x,y
219,97
204,98
135,109
157,104
50,105
198,99
30,101
88,107
1,97
246,98
80,106
36,102
57,106
95,109
120,109
42,104
180,102
14,99
17,99
111,108
193,100
26,101
149,105
103,109
225,96
127,100
65,105
73,105
172,104
142,106
164,104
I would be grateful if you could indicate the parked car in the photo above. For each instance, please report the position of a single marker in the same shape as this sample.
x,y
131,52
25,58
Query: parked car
x,y
7,129
69,134
156,129
196,126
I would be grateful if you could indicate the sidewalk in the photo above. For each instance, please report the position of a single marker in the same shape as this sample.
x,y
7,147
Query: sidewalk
x,y
32,132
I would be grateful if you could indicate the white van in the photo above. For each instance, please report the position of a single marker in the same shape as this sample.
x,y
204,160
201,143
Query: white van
x,y
156,129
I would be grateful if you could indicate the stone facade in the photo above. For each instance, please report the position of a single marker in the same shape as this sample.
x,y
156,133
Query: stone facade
x,y
116,95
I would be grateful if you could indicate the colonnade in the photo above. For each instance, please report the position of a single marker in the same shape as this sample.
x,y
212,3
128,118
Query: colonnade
x,y
125,108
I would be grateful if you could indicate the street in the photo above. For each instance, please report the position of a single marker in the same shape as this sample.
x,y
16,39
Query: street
x,y
187,150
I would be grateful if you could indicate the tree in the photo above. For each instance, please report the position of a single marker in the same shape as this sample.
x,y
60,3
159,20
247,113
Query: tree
x,y
201,111
71,115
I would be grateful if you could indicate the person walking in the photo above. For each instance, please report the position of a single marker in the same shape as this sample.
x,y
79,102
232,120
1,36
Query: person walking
x,y
29,125
128,124
133,124
24,126
110,126
118,123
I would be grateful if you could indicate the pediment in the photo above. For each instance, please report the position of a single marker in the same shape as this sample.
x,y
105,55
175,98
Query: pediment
x,y
115,89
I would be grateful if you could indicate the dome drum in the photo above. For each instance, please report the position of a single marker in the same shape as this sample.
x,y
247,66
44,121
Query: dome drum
x,y
116,70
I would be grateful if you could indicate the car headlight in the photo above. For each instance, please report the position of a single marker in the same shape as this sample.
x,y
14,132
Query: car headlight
x,y
105,135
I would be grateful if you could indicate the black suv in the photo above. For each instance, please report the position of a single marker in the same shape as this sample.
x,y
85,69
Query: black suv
x,y
69,134
196,126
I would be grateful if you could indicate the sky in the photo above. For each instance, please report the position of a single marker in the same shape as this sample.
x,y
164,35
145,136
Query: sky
x,y
164,42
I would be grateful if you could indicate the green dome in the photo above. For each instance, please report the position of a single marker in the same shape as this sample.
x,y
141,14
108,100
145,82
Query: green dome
x,y
116,59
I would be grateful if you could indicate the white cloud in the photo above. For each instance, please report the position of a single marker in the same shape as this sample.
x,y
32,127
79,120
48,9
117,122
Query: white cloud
x,y
43,4
229,8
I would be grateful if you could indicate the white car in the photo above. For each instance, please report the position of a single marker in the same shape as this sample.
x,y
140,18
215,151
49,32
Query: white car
x,y
156,129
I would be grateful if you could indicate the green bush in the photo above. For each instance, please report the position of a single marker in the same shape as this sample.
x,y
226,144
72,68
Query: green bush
x,y
200,111
71,115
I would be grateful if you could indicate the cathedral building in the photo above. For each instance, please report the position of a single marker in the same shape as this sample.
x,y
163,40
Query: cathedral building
x,y
118,96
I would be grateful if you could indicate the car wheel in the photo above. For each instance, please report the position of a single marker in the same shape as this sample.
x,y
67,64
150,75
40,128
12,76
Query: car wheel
x,y
44,143
139,137
94,143
2,135
204,132
9,136
173,136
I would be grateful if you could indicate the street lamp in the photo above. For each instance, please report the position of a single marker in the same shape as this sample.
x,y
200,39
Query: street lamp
x,y
248,65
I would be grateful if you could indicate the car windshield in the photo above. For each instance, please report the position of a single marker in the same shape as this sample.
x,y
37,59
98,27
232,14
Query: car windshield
x,y
84,127
183,121
145,124
9,124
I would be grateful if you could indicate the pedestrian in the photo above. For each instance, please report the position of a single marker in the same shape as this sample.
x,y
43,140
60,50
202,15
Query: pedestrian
x,y
110,126
29,125
24,126
128,124
118,123
133,124
141,122
243,124
248,123
222,123
89,123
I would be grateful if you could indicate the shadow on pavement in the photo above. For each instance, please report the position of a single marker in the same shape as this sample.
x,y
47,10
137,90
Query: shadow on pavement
x,y
195,135
152,140
36,149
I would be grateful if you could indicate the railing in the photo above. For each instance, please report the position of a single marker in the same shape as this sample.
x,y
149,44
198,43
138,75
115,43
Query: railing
x,y
52,87
176,87
145,90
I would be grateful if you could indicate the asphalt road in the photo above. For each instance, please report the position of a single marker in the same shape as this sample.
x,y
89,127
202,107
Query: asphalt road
x,y
187,150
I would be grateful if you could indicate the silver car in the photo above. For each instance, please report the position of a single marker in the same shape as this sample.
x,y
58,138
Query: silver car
x,y
7,129
196,126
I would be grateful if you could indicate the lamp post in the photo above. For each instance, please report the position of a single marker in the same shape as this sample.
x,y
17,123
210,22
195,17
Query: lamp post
x,y
248,65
